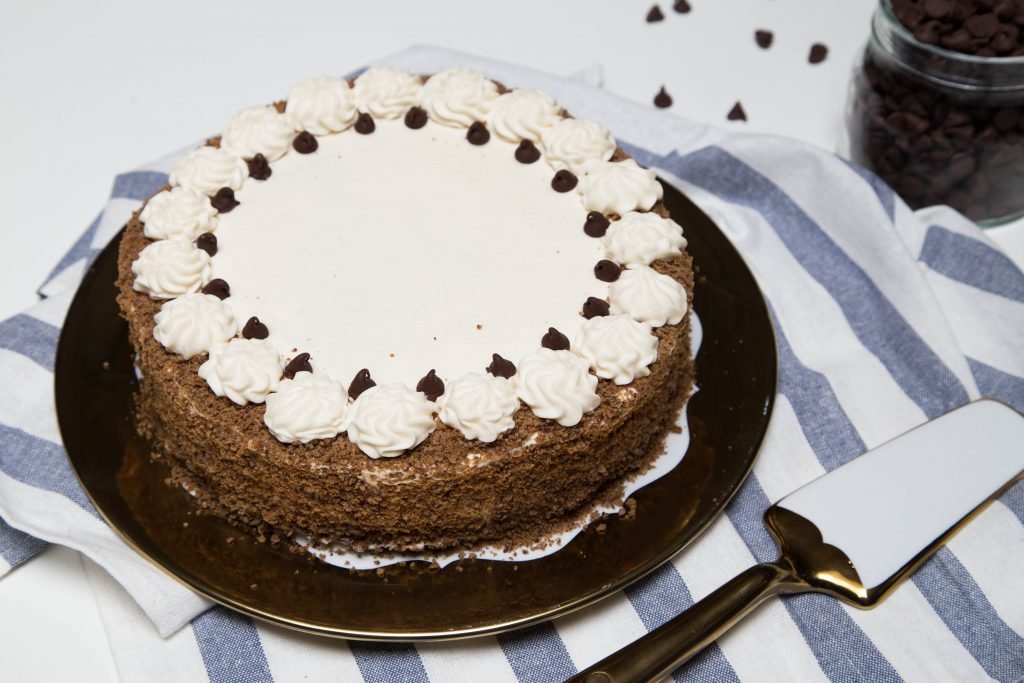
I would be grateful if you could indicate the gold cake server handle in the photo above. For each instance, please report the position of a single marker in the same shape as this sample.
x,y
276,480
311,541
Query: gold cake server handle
x,y
889,510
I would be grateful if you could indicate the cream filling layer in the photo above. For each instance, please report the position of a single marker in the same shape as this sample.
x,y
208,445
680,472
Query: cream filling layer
x,y
406,250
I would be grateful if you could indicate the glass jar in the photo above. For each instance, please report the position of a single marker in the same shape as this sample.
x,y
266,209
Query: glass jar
x,y
940,127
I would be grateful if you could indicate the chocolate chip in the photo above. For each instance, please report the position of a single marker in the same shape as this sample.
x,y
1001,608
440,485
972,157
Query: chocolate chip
x,y
224,201
982,25
1006,119
818,53
208,243
415,118
527,152
305,143
607,271
737,113
478,134
681,6
501,367
554,340
596,225
254,329
655,15
763,39
564,181
296,365
365,124
259,167
360,383
217,287
662,100
958,40
595,308
937,9
431,385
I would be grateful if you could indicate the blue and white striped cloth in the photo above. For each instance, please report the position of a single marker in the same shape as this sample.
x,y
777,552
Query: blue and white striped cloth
x,y
885,318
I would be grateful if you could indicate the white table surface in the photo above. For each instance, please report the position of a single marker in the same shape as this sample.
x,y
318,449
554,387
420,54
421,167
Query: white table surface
x,y
92,91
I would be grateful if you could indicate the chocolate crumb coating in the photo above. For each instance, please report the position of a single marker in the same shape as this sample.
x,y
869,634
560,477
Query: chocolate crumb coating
x,y
535,478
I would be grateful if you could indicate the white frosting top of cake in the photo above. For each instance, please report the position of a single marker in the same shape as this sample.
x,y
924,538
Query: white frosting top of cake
x,y
408,250
648,296
244,370
573,143
617,347
479,405
523,115
307,407
321,106
178,213
557,385
208,169
194,324
642,238
616,187
258,130
387,93
170,268
388,420
458,97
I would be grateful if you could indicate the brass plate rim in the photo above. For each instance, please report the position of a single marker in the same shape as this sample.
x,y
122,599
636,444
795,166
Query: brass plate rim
x,y
80,462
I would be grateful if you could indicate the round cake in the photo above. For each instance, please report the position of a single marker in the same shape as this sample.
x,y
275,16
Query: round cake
x,y
404,313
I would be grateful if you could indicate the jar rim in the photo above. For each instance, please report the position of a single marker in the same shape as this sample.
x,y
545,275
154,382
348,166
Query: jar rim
x,y
885,6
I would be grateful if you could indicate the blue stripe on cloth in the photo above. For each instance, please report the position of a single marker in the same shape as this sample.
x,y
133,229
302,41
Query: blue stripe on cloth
x,y
843,652
386,662
17,547
886,197
31,338
40,463
82,248
537,654
137,184
1014,499
825,425
971,262
661,596
878,325
957,599
993,383
230,646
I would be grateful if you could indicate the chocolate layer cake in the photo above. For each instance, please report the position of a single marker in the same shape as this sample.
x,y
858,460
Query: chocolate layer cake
x,y
413,236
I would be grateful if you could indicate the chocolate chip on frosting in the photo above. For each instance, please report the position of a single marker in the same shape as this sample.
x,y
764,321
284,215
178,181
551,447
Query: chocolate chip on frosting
x,y
296,365
431,386
365,124
737,113
305,143
564,181
681,6
662,100
763,38
527,152
478,134
224,200
555,340
607,271
655,15
501,367
596,225
218,287
818,53
416,118
595,308
208,243
254,329
259,167
360,383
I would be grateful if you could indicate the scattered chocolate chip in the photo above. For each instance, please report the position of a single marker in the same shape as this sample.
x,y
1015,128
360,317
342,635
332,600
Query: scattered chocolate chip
x,y
763,39
296,365
305,143
737,113
501,367
818,53
360,383
595,308
607,271
527,152
415,118
596,225
254,329
554,340
217,287
224,201
681,6
365,124
208,243
655,15
662,100
564,181
478,134
431,386
259,167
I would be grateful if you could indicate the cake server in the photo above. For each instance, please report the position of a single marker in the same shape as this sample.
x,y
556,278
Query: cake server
x,y
854,533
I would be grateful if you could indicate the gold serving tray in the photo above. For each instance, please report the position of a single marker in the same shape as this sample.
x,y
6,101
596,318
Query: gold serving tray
x,y
736,371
